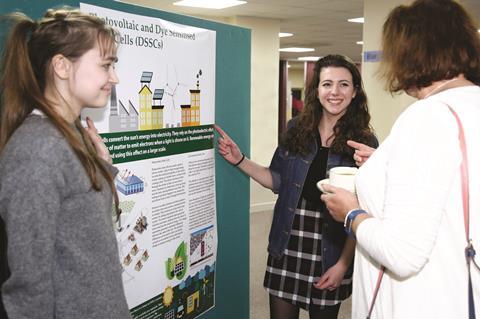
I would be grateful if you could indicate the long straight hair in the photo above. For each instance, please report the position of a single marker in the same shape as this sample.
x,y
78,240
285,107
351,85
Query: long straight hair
x,y
26,72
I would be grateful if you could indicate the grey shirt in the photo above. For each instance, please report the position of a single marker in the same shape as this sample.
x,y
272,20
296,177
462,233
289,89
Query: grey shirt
x,y
62,252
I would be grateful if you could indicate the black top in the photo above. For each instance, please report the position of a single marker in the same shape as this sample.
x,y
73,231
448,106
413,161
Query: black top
x,y
316,172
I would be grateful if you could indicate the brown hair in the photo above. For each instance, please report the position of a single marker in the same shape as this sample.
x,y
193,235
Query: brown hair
x,y
354,124
428,41
26,71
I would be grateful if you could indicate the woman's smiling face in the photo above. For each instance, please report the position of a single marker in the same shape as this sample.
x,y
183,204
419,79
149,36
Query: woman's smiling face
x,y
335,90
93,79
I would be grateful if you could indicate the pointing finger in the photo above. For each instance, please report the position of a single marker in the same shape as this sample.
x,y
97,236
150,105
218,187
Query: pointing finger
x,y
357,145
220,131
364,153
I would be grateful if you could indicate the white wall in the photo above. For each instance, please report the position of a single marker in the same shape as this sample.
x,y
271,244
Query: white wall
x,y
297,78
384,108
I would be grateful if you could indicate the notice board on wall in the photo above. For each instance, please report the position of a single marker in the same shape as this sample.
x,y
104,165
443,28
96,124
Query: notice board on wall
x,y
207,271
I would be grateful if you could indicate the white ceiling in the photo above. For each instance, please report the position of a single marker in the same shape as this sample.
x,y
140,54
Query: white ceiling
x,y
318,24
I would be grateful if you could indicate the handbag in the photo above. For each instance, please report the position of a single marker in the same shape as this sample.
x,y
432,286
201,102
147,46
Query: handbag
x,y
469,250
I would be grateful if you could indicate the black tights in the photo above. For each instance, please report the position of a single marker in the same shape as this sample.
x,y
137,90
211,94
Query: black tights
x,y
281,309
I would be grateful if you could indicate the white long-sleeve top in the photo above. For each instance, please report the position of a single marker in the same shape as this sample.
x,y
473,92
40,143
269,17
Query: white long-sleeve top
x,y
411,186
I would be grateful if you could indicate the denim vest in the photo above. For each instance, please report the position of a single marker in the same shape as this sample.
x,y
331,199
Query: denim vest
x,y
288,173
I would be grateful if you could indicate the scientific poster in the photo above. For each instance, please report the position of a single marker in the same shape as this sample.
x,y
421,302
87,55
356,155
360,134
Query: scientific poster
x,y
158,127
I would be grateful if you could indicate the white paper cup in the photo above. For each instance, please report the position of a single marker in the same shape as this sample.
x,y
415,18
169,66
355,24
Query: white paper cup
x,y
344,177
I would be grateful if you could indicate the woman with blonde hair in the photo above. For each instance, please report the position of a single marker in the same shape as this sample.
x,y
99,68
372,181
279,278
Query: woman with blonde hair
x,y
57,190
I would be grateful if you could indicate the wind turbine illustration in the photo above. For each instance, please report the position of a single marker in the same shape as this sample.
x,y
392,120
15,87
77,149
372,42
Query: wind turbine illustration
x,y
172,90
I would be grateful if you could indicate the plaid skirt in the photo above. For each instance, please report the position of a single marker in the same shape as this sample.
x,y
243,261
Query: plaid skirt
x,y
292,276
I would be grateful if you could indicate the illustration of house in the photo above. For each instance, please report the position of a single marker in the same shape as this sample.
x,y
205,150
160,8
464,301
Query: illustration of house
x,y
127,260
134,250
191,112
128,183
193,302
131,117
128,118
145,256
141,224
186,115
201,245
195,107
121,118
139,265
145,101
157,109
195,103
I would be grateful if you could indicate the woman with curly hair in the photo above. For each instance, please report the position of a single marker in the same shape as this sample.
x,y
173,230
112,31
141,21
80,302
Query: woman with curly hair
x,y
410,214
310,259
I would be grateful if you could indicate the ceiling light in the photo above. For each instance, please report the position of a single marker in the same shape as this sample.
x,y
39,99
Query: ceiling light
x,y
360,42
209,4
309,58
356,20
296,50
284,34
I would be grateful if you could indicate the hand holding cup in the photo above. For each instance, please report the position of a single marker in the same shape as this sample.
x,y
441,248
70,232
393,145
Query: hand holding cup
x,y
341,176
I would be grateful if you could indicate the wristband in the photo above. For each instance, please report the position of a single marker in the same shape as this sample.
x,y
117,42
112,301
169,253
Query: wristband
x,y
349,218
240,161
346,216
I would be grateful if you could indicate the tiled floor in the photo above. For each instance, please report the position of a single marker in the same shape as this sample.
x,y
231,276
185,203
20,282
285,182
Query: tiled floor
x,y
259,228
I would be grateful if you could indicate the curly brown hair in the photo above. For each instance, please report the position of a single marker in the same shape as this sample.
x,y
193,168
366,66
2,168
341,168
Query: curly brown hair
x,y
353,125
429,41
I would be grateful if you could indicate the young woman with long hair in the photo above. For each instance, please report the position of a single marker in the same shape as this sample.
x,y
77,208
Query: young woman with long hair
x,y
309,256
56,188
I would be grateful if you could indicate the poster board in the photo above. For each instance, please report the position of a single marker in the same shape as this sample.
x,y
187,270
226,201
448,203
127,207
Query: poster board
x,y
232,98
158,127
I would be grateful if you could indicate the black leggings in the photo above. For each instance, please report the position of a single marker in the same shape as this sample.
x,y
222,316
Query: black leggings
x,y
281,309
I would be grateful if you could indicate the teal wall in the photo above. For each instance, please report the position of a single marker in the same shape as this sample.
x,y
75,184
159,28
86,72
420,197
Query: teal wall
x,y
232,112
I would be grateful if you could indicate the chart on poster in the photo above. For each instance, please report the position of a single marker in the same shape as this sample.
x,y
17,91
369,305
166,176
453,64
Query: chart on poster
x,y
158,127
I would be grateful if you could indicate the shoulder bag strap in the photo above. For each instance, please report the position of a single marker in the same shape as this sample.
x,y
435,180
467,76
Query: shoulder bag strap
x,y
469,250
375,293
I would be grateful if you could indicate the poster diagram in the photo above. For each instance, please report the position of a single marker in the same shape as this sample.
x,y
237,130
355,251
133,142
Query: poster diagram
x,y
148,114
202,245
158,127
128,183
